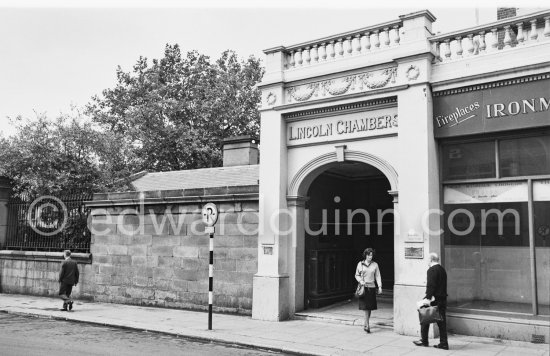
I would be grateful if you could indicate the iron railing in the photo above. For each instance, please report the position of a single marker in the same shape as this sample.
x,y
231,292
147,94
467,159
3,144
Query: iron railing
x,y
48,223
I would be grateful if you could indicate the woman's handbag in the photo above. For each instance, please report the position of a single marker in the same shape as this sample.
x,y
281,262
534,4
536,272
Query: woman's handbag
x,y
428,314
360,291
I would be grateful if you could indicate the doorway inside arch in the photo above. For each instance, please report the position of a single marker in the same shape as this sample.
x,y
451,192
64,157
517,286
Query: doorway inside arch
x,y
349,209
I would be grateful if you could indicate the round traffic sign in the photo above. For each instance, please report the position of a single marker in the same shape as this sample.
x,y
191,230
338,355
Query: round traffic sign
x,y
209,214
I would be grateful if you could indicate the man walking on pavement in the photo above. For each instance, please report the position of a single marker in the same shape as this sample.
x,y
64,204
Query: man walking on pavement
x,y
436,287
68,277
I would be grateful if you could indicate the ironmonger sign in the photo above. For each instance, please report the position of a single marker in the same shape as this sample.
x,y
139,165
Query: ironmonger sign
x,y
345,126
494,109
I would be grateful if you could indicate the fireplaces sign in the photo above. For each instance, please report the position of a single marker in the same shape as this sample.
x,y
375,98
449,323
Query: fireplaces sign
x,y
519,103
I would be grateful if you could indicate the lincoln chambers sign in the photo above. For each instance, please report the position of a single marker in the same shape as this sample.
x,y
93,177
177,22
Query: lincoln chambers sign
x,y
355,125
508,105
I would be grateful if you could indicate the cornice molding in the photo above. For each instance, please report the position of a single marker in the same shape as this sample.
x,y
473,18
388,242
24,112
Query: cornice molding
x,y
500,83
371,104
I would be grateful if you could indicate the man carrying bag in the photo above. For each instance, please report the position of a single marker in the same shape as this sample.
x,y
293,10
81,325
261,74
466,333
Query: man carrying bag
x,y
436,287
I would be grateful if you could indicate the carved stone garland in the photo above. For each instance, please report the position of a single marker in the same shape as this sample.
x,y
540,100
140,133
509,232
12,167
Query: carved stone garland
x,y
339,86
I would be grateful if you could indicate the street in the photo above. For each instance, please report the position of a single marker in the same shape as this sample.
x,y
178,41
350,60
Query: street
x,y
22,335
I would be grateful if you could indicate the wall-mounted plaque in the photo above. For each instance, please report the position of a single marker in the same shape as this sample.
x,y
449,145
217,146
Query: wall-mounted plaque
x,y
414,252
268,250
414,236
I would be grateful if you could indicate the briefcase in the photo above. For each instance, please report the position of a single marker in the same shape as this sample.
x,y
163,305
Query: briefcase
x,y
428,314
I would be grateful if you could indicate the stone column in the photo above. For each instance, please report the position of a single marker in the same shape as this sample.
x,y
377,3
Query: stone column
x,y
5,192
271,283
418,194
296,266
418,182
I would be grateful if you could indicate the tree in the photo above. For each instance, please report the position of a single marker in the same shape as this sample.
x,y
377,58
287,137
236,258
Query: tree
x,y
170,115
175,112
66,155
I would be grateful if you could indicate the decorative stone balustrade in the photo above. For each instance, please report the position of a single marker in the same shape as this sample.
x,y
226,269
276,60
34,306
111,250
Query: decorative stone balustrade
x,y
359,42
497,36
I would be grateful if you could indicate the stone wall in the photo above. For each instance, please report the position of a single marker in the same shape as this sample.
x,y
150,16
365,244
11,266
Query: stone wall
x,y
156,252
37,273
149,248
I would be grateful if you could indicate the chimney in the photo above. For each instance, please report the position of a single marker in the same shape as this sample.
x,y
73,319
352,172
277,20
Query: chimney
x,y
505,13
240,151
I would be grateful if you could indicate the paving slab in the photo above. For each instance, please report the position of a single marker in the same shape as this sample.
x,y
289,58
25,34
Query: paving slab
x,y
302,337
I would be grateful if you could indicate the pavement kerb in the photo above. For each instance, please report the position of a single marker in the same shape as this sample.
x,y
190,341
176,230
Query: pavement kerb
x,y
213,339
339,321
39,307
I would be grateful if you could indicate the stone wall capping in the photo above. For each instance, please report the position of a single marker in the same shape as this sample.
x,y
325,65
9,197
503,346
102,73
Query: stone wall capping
x,y
172,193
176,199
101,196
152,194
85,258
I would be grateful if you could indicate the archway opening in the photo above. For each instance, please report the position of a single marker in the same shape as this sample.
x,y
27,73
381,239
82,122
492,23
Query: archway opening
x,y
349,209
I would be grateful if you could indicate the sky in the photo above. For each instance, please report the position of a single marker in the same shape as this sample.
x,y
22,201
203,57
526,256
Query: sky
x,y
55,55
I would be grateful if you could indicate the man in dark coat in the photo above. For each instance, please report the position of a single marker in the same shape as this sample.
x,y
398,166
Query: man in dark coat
x,y
436,287
68,277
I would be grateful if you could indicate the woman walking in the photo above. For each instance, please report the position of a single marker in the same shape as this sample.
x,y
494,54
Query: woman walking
x,y
367,273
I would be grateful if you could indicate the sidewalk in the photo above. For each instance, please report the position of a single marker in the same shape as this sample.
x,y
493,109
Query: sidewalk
x,y
294,336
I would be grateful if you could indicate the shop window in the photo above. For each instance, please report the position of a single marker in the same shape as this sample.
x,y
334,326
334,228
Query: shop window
x,y
469,160
498,224
524,156
541,229
487,253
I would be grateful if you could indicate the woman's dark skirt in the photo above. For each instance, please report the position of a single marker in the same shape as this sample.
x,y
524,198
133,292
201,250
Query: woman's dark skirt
x,y
368,300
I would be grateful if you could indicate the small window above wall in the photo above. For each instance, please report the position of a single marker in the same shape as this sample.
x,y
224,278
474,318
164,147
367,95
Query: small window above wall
x,y
525,156
470,160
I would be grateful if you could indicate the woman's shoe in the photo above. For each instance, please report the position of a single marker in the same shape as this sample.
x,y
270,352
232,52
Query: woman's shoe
x,y
367,330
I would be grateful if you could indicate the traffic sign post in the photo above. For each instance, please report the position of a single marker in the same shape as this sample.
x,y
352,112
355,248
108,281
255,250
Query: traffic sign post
x,y
209,217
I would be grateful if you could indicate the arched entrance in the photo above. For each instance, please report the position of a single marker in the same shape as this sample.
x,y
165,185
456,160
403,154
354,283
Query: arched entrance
x,y
348,209
367,170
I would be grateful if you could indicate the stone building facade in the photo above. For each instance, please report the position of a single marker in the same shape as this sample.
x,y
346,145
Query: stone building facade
x,y
439,130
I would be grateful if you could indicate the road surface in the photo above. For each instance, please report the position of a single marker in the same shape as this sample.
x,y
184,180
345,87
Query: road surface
x,y
25,335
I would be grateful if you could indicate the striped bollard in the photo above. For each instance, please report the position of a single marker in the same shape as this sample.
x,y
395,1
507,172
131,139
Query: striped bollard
x,y
210,230
209,217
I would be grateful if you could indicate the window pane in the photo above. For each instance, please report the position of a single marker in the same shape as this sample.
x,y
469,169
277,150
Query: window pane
x,y
541,218
488,268
494,224
524,156
469,160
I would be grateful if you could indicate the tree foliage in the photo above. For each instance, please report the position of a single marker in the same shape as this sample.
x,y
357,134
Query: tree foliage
x,y
66,155
169,115
175,112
